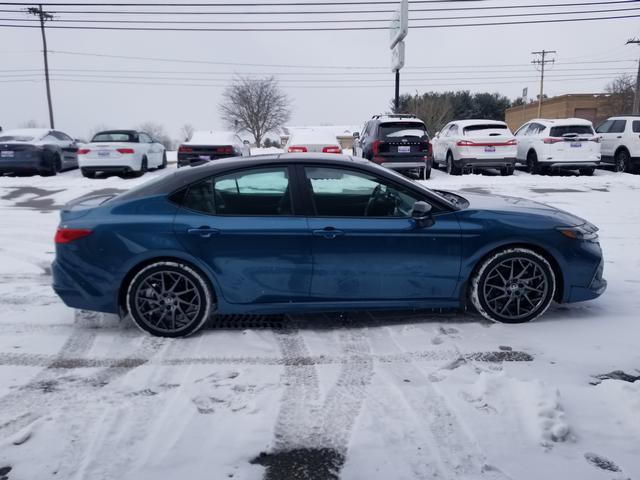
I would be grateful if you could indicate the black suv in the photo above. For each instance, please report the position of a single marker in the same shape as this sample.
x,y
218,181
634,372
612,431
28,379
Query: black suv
x,y
399,142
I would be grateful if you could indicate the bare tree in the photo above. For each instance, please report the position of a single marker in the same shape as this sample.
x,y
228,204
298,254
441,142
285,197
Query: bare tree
x,y
622,89
256,106
186,132
32,124
157,132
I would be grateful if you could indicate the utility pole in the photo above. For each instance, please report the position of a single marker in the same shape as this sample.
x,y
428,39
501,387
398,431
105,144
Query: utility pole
x,y
636,96
44,16
542,61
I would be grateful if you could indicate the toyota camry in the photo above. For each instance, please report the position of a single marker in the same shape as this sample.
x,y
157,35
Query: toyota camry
x,y
315,232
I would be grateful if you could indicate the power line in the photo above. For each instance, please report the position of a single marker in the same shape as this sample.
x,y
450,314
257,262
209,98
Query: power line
x,y
254,4
356,20
323,29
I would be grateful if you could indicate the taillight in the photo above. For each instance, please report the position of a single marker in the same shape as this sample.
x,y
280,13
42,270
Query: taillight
x,y
185,149
430,149
551,140
511,142
465,143
226,150
332,149
128,151
83,151
297,149
67,235
376,147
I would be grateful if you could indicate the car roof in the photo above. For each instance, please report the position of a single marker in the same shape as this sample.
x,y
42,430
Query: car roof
x,y
478,121
128,132
561,121
625,117
31,132
211,137
312,136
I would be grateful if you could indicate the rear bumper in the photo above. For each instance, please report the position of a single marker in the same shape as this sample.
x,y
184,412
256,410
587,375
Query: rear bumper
x,y
24,163
108,169
570,164
486,162
404,162
77,290
187,159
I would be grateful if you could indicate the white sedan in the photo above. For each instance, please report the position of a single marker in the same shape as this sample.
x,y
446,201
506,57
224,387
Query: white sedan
x,y
312,140
125,152
466,144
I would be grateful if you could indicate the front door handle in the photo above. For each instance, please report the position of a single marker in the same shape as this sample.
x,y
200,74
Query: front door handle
x,y
328,232
204,232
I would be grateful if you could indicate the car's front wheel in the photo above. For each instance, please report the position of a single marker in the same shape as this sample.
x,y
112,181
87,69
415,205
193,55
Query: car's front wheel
x,y
515,285
169,299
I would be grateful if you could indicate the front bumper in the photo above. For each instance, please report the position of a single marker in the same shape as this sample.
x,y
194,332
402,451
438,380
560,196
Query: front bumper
x,y
596,288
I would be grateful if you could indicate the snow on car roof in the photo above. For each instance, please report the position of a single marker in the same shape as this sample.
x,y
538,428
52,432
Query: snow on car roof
x,y
562,121
312,136
25,132
211,137
467,123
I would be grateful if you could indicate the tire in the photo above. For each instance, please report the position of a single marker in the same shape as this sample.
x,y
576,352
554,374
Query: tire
x,y
164,161
143,168
88,173
452,169
156,312
507,170
503,281
533,167
621,161
54,168
588,172
427,173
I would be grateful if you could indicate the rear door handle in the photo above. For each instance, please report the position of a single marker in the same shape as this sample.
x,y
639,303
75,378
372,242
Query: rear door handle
x,y
204,232
328,232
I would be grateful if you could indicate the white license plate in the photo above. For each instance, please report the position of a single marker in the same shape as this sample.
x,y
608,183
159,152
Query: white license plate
x,y
489,149
404,149
576,145
204,157
103,153
6,154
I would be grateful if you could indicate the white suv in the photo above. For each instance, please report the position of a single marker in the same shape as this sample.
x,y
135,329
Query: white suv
x,y
621,142
465,144
569,143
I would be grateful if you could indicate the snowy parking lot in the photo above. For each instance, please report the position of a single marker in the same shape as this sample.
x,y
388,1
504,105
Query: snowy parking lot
x,y
383,395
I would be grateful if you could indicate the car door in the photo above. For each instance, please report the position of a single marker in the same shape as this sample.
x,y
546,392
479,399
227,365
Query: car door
x,y
365,245
436,144
68,148
521,138
245,226
357,144
607,139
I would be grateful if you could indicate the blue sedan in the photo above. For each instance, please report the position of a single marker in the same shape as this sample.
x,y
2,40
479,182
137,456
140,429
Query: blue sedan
x,y
303,233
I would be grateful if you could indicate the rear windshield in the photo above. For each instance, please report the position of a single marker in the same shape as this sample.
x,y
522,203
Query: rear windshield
x,y
489,126
115,137
571,129
394,130
16,138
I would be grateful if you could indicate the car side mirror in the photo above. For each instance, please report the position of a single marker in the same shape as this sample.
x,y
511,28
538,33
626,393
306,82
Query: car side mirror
x,y
421,214
356,135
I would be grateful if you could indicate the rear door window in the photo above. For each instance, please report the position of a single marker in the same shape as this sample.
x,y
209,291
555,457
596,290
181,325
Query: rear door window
x,y
255,192
636,126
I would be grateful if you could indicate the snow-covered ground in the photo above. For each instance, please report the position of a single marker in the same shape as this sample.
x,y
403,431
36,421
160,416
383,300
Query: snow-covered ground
x,y
362,396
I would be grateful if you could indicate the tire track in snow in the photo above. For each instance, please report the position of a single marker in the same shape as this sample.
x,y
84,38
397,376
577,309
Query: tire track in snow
x,y
458,455
311,438
55,387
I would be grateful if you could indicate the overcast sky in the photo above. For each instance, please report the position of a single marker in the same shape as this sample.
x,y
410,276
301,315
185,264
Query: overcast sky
x,y
457,58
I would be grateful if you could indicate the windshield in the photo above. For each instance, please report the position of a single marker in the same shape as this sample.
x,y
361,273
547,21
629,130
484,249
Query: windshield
x,y
115,137
571,129
394,130
16,138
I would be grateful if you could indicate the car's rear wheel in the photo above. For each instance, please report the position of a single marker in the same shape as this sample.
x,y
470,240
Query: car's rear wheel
x,y
54,168
143,168
88,173
533,167
452,169
507,170
164,161
169,299
621,161
515,285
427,173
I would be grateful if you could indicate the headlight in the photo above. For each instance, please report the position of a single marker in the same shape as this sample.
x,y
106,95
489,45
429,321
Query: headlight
x,y
581,232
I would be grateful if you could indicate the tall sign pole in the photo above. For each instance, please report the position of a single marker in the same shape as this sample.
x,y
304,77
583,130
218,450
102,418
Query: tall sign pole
x,y
397,32
636,96
44,16
525,94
